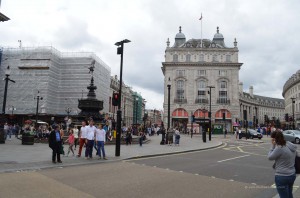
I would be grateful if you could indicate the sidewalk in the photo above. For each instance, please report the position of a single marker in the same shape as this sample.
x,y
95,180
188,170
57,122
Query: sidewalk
x,y
17,157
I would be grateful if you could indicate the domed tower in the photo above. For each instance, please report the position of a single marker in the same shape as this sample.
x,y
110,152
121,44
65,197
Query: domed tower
x,y
179,38
219,39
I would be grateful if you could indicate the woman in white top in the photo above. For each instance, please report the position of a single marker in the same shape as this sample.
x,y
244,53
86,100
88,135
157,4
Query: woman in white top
x,y
75,130
100,140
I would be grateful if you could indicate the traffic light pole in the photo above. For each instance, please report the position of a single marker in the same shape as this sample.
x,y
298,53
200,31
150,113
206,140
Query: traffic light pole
x,y
119,112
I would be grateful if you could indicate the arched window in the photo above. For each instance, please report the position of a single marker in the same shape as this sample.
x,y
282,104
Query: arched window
x,y
201,58
188,58
175,58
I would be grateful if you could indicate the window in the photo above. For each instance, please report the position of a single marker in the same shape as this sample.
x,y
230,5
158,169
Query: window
x,y
215,58
201,58
222,73
201,72
223,84
188,58
228,58
180,89
180,73
175,58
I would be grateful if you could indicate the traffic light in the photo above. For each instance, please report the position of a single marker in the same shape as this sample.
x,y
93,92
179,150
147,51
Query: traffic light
x,y
115,99
193,118
265,118
286,117
245,114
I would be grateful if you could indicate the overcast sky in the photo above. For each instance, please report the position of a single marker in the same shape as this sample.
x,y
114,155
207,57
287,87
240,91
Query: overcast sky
x,y
267,33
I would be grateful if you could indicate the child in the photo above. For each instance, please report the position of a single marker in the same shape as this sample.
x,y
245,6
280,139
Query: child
x,y
71,140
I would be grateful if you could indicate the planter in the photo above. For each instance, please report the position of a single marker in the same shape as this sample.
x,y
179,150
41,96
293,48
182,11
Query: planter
x,y
28,140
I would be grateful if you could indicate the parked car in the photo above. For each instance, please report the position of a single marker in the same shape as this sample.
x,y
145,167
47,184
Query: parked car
x,y
254,134
292,136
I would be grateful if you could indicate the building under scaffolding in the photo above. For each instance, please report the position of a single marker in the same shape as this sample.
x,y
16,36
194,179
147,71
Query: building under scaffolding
x,y
61,78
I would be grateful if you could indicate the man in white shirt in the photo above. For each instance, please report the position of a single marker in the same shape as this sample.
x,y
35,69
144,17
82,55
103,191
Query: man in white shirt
x,y
100,139
90,137
82,137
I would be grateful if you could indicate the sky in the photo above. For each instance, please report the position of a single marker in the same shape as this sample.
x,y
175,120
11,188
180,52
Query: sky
x,y
267,33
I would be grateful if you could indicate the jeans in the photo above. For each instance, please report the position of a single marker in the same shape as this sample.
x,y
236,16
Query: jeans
x,y
89,148
284,185
81,143
100,146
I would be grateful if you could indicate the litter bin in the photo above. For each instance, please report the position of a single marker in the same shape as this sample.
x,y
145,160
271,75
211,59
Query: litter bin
x,y
170,137
2,136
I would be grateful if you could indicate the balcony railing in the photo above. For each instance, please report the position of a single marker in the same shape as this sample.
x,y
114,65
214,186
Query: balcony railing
x,y
180,100
201,101
223,101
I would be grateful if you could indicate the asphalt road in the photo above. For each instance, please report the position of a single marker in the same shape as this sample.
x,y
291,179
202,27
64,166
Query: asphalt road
x,y
239,161
239,169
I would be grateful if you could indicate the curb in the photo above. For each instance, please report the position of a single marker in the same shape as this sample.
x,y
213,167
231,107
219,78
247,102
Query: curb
x,y
173,153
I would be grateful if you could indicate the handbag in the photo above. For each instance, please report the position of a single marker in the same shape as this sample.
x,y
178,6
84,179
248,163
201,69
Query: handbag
x,y
297,164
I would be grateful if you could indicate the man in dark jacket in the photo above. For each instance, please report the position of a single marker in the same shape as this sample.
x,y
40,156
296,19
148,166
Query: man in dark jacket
x,y
55,144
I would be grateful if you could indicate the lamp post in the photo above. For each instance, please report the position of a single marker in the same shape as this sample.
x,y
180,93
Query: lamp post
x,y
209,113
38,98
7,74
136,110
293,109
120,51
169,98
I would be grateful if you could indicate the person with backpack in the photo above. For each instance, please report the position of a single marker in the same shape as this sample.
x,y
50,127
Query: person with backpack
x,y
284,154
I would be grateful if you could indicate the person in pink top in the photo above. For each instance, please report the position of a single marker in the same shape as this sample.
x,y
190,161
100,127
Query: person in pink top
x,y
71,140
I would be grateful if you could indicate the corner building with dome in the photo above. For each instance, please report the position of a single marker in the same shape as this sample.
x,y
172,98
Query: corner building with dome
x,y
190,67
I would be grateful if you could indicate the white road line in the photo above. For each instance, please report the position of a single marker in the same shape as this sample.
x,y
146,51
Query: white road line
x,y
233,158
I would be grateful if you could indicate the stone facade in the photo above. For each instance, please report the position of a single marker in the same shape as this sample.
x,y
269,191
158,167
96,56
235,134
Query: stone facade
x,y
291,89
130,108
191,66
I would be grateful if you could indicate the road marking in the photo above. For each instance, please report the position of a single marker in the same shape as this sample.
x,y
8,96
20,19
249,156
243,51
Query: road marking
x,y
197,174
239,149
233,158
231,180
181,171
154,166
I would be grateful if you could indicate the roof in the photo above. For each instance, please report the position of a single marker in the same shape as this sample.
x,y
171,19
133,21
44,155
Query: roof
x,y
3,17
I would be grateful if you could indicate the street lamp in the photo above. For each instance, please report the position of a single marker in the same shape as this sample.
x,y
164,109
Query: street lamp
x,y
136,110
120,51
68,111
293,109
7,74
169,98
209,113
38,98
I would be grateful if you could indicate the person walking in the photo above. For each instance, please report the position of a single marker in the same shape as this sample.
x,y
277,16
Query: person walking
x,y
284,154
70,140
82,137
141,134
6,127
177,137
55,144
128,137
100,140
90,137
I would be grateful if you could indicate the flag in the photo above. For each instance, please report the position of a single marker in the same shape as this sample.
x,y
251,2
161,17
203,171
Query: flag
x,y
200,17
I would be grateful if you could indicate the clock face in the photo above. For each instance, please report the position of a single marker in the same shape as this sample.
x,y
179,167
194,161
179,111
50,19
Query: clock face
x,y
213,45
188,45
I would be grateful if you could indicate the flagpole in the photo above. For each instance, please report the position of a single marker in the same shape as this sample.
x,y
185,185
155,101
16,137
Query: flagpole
x,y
201,31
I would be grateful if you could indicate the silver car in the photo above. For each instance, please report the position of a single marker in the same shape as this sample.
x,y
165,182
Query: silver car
x,y
292,136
